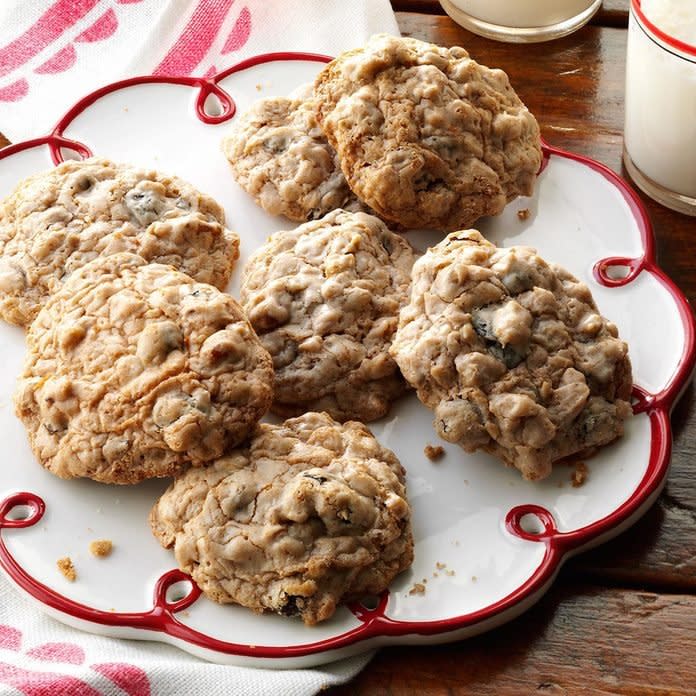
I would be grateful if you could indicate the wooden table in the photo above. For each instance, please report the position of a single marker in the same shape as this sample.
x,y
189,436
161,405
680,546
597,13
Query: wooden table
x,y
620,619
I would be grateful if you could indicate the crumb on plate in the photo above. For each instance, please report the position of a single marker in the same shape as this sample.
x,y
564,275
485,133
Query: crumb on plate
x,y
418,588
579,475
523,214
433,452
101,548
66,567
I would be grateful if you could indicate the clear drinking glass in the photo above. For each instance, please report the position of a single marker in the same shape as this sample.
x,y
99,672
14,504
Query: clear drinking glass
x,y
521,21
660,127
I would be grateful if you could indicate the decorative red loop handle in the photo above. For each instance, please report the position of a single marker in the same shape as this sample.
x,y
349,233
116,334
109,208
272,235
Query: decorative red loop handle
x,y
165,582
35,504
601,270
513,523
229,107
365,614
643,401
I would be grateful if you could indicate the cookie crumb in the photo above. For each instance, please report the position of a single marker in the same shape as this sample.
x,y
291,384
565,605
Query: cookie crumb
x,y
418,588
474,578
259,87
449,573
101,548
440,566
433,452
579,475
523,214
66,567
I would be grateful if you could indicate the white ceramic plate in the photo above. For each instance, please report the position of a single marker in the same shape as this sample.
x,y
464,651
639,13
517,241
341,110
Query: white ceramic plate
x,y
481,566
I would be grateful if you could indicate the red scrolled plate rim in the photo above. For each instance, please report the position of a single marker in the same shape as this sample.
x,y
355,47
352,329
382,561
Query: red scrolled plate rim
x,y
374,624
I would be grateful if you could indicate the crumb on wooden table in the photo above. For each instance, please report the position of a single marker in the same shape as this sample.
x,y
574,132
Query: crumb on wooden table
x,y
579,475
66,567
418,588
101,548
433,452
523,214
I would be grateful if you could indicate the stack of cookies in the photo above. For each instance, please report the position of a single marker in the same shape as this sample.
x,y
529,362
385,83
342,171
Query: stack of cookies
x,y
421,135
140,365
510,351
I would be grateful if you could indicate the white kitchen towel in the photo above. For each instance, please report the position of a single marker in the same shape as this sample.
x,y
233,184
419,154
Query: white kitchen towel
x,y
51,54
41,657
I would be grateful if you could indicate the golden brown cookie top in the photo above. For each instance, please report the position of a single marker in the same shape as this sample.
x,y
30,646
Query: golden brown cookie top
x,y
134,370
426,136
512,354
59,220
279,155
324,299
308,514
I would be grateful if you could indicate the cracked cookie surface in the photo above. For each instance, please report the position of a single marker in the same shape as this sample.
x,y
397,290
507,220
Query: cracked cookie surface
x,y
426,136
324,299
134,369
512,354
57,221
281,157
308,514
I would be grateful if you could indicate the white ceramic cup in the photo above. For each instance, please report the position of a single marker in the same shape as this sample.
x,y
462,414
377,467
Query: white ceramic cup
x,y
521,21
660,127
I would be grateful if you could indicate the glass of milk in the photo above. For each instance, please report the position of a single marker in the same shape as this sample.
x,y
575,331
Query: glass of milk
x,y
521,21
660,128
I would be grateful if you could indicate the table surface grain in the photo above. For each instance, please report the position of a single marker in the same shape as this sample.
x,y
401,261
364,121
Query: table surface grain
x,y
620,619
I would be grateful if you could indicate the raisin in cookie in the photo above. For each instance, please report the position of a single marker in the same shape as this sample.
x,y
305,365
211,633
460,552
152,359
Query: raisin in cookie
x,y
279,155
512,354
426,136
308,514
135,369
324,299
57,221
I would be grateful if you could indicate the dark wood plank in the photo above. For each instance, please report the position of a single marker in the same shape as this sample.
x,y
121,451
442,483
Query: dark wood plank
x,y
575,87
612,13
577,640
660,550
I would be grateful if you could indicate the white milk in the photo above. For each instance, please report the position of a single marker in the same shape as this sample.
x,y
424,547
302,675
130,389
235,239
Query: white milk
x,y
660,128
523,13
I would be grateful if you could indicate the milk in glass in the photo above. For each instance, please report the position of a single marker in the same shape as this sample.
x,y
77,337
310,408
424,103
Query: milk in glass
x,y
521,20
660,126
